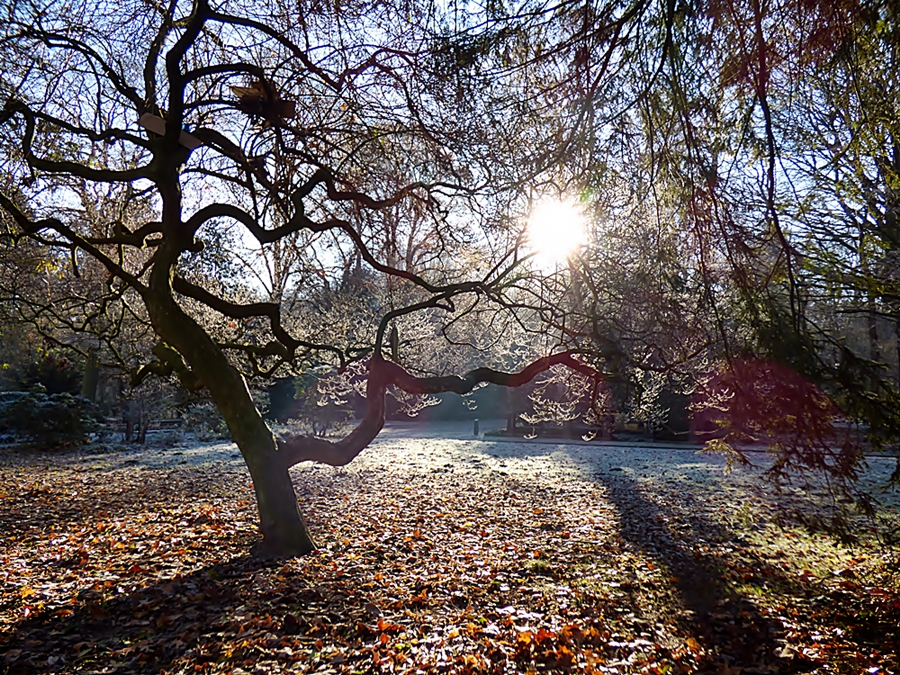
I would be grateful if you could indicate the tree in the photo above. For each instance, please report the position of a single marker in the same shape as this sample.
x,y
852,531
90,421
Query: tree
x,y
305,188
779,159
231,120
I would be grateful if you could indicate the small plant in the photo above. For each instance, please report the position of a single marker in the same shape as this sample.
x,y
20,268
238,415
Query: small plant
x,y
744,516
539,567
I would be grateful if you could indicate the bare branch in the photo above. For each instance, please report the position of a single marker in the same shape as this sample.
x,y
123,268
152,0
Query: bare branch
x,y
383,373
266,309
65,167
33,227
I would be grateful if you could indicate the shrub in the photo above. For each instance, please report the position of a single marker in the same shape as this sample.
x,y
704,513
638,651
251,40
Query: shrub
x,y
8,399
49,420
204,420
56,373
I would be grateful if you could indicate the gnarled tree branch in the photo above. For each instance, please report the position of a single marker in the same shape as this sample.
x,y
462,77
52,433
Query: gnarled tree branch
x,y
382,373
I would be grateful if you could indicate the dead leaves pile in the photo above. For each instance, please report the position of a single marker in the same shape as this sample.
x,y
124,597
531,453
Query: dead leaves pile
x,y
112,569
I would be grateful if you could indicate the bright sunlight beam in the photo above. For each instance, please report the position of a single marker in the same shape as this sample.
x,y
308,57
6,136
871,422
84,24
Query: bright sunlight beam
x,y
556,229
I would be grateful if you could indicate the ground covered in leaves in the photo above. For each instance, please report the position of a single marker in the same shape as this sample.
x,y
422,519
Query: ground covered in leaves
x,y
437,556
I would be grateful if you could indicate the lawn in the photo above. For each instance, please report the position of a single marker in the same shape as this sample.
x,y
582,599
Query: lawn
x,y
436,555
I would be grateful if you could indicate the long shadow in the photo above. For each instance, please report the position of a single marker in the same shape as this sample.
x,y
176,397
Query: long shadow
x,y
683,539
686,543
178,623
242,613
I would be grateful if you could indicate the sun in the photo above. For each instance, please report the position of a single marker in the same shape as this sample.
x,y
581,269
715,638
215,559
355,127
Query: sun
x,y
556,229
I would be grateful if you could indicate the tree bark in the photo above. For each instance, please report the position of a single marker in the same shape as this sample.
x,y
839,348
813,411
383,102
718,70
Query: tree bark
x,y
284,531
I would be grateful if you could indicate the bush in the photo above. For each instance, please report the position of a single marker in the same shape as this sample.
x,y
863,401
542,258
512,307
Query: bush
x,y
8,399
204,420
49,420
54,372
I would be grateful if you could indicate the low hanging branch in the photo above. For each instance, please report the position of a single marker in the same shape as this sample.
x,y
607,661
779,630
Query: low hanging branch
x,y
382,374
464,384
269,310
167,361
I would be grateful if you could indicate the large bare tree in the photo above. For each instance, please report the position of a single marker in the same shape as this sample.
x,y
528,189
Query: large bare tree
x,y
322,139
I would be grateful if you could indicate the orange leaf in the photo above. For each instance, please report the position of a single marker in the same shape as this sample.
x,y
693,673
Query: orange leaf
x,y
384,625
544,634
565,656
571,633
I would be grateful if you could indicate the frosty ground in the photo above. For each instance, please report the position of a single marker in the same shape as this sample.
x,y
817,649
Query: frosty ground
x,y
439,552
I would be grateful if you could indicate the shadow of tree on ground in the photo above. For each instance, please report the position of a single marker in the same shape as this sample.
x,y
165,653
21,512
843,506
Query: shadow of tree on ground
x,y
451,563
696,551
178,624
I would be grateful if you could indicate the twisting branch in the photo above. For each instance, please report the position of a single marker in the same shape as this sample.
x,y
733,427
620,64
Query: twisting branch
x,y
33,227
400,377
323,176
433,302
177,80
150,64
125,237
64,167
254,309
224,69
301,222
382,373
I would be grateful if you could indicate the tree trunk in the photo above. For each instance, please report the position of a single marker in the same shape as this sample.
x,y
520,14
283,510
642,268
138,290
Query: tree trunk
x,y
91,375
897,342
284,530
131,416
283,527
143,425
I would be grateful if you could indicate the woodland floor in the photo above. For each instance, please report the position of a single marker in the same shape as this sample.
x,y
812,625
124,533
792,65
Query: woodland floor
x,y
437,556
